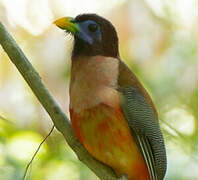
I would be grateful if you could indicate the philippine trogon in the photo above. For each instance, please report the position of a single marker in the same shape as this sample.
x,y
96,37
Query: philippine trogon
x,y
111,113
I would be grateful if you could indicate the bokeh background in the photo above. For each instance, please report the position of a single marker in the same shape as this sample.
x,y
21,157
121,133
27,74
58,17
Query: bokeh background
x,y
158,41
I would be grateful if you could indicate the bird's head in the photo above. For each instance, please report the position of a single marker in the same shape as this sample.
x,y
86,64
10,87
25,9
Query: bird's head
x,y
93,35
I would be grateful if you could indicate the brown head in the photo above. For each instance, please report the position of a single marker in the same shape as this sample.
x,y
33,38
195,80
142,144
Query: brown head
x,y
93,35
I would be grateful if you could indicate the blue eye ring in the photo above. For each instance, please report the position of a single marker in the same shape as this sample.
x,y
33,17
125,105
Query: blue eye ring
x,y
93,27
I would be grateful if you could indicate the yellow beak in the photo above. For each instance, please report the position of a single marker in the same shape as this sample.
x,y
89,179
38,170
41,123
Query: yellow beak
x,y
66,23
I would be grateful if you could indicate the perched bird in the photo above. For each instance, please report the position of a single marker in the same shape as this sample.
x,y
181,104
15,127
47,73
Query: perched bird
x,y
111,113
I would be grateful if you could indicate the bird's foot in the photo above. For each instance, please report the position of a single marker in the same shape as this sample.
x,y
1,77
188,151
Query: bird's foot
x,y
124,177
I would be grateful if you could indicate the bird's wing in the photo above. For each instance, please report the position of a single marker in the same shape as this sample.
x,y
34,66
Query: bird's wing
x,y
144,126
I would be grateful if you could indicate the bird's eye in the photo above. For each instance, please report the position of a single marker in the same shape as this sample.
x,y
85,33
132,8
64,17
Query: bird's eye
x,y
93,27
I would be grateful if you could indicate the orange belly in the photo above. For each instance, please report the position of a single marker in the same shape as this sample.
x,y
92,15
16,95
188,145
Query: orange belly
x,y
104,132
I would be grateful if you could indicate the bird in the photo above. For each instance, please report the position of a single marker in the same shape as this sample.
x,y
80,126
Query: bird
x,y
111,113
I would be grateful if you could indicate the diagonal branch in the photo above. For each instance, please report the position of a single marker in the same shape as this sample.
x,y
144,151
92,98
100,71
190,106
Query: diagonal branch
x,y
59,119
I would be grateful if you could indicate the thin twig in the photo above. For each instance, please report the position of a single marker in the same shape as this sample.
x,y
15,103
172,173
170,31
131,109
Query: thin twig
x,y
182,137
28,165
6,120
58,117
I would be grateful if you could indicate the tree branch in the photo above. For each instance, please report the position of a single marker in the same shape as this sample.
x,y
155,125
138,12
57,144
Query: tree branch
x,y
59,119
